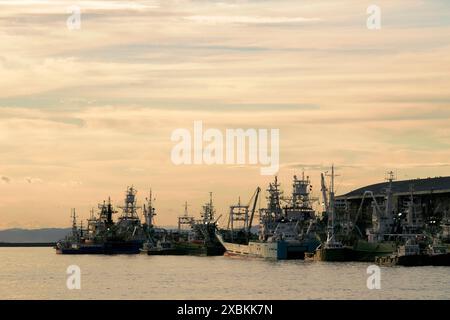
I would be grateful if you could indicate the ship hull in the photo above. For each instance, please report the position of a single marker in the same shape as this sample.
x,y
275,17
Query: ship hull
x,y
344,254
128,247
440,260
165,252
185,248
81,250
367,252
418,260
406,261
298,250
267,250
198,249
279,250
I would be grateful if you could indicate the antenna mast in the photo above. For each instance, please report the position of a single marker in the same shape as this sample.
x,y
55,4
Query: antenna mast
x,y
149,212
331,207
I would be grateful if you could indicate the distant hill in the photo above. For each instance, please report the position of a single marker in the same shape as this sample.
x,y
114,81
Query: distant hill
x,y
35,235
47,234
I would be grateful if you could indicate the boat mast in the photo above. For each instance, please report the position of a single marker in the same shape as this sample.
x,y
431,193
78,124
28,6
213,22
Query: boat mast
x,y
332,199
301,192
73,215
238,218
331,208
110,212
130,208
390,178
208,211
150,211
324,190
185,219
385,220
274,199
186,209
411,208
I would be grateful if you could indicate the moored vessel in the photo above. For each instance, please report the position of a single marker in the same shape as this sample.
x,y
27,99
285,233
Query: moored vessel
x,y
284,232
200,236
331,249
193,237
412,255
103,235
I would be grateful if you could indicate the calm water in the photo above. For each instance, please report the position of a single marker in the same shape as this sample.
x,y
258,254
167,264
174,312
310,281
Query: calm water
x,y
39,273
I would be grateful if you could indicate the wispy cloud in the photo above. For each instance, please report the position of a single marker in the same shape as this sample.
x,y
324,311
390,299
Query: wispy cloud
x,y
33,180
5,179
249,19
84,4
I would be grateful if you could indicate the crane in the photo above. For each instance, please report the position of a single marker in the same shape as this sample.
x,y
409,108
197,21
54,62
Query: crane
x,y
255,195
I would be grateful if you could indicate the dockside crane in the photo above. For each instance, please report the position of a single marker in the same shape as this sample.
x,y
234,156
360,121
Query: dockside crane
x,y
255,202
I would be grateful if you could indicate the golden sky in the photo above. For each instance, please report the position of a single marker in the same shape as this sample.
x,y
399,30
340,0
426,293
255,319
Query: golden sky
x,y
85,113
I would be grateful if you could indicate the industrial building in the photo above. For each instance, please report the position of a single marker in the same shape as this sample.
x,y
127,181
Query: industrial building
x,y
416,205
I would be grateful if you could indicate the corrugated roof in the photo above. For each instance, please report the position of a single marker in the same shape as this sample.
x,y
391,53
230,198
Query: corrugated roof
x,y
438,184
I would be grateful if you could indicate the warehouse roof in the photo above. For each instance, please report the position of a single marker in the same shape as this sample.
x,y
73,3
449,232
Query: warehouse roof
x,y
429,185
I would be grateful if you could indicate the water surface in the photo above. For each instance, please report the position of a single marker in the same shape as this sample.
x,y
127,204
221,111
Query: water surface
x,y
39,273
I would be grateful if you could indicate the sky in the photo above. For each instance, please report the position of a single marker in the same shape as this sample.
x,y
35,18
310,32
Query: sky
x,y
85,113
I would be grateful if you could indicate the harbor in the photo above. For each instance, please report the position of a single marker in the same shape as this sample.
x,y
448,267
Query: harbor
x,y
243,153
394,223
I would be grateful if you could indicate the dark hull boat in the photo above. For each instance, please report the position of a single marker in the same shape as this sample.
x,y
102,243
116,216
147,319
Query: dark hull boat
x,y
112,247
186,248
410,255
104,236
183,247
199,248
364,251
164,252
420,260
193,237
361,251
332,250
336,254
80,249
299,250
127,247
440,260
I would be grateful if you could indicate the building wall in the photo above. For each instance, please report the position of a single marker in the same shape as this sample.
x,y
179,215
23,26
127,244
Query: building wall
x,y
430,209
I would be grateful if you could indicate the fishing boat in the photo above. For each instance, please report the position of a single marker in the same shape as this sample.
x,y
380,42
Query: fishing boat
x,y
331,249
438,254
103,235
406,255
193,237
200,236
411,255
284,232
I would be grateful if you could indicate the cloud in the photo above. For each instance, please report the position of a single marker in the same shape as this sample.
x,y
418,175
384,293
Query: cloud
x,y
31,180
249,19
71,183
319,166
5,179
84,4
